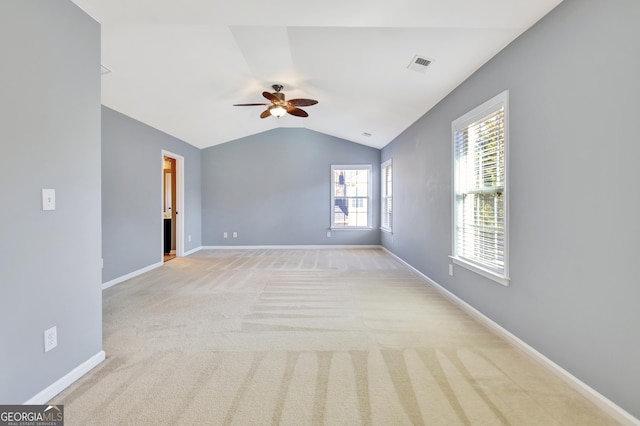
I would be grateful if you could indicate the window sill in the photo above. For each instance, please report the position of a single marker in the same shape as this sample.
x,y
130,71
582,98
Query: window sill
x,y
500,279
387,230
351,228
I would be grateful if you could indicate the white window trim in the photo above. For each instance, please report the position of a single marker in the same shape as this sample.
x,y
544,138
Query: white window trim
x,y
367,167
383,166
472,116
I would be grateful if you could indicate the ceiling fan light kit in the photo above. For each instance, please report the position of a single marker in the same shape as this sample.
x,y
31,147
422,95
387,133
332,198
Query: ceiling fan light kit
x,y
277,110
279,106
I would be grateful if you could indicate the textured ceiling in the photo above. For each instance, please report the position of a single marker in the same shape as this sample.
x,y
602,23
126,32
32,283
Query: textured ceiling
x,y
180,66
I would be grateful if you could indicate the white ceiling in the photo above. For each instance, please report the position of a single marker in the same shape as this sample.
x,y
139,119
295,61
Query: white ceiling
x,y
179,66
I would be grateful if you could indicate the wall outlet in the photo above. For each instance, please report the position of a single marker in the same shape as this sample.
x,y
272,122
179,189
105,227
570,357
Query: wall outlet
x,y
225,235
189,238
50,339
450,269
328,234
235,234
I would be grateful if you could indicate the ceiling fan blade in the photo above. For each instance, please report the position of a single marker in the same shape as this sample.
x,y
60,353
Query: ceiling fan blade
x,y
297,112
302,102
249,104
266,113
270,96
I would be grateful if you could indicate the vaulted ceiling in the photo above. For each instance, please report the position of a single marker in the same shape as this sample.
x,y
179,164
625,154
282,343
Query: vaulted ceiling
x,y
179,66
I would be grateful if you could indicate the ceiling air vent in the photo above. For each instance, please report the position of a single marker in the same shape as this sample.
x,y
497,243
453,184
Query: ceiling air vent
x,y
419,64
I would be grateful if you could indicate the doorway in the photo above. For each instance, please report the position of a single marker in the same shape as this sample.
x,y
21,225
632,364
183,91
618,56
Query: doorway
x,y
172,205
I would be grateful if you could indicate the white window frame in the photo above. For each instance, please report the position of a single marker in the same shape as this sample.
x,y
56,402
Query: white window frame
x,y
493,105
366,167
386,199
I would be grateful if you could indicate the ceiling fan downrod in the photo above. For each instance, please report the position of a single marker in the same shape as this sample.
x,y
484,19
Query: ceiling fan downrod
x,y
278,94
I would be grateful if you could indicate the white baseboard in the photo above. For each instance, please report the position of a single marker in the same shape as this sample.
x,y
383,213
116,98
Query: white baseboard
x,y
64,382
131,275
187,253
606,405
286,247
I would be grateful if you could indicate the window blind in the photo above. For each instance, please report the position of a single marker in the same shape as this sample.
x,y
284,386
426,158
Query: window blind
x,y
386,197
480,214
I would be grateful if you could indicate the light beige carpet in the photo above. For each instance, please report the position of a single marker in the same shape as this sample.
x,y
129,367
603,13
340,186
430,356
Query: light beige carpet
x,y
306,337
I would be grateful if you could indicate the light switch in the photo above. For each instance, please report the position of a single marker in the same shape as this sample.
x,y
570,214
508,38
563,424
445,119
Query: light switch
x,y
48,199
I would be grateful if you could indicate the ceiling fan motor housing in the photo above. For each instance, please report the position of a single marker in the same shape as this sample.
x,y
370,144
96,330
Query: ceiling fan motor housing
x,y
278,94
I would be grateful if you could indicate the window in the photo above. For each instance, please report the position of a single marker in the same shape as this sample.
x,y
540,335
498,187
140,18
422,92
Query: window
x,y
350,196
480,141
386,196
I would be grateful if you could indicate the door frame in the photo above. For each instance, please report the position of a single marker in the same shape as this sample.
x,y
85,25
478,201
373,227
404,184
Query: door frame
x,y
178,202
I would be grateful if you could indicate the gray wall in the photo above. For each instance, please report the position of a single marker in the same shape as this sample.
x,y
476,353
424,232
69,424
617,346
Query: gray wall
x,y
50,136
574,293
274,189
132,193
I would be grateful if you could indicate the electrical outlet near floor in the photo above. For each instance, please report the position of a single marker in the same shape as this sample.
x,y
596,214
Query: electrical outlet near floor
x,y
451,269
50,339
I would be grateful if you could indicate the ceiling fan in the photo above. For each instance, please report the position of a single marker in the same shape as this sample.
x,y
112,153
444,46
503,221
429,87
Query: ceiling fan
x,y
279,106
